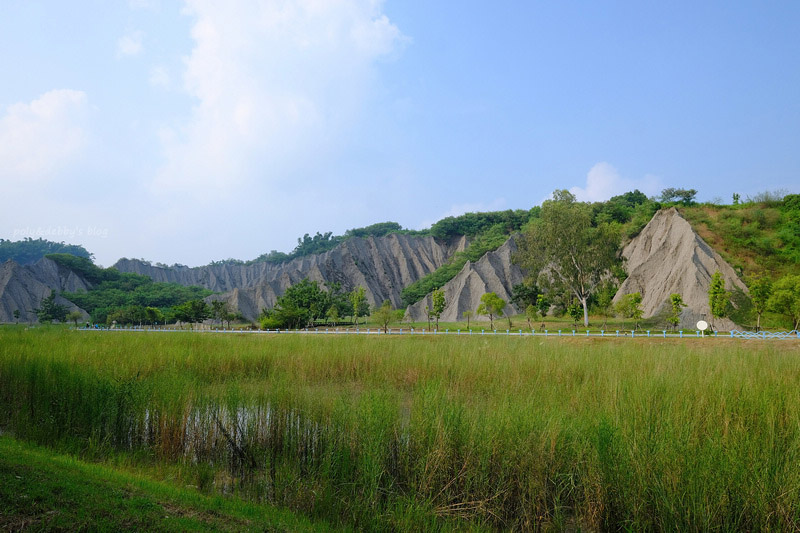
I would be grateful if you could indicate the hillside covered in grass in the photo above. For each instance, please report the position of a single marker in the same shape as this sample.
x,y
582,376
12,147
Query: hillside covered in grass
x,y
762,235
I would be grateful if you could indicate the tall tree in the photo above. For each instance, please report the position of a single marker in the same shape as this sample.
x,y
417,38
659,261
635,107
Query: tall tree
x,y
563,250
358,298
785,298
492,306
16,315
718,298
760,291
439,303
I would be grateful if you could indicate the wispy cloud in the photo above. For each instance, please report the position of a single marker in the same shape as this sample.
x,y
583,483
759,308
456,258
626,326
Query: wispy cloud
x,y
130,44
39,139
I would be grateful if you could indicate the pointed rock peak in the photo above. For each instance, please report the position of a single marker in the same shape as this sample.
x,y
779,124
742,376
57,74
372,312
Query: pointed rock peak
x,y
667,257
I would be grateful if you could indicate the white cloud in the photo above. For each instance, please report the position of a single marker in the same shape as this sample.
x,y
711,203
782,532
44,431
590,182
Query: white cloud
x,y
603,181
130,45
38,140
277,86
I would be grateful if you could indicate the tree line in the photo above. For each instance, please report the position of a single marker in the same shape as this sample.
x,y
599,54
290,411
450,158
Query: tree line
x,y
28,251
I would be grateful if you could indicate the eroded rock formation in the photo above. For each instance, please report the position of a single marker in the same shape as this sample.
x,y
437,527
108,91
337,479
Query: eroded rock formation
x,y
22,288
494,272
667,257
382,265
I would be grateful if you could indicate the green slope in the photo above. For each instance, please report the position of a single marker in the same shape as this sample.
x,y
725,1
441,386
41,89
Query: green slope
x,y
44,491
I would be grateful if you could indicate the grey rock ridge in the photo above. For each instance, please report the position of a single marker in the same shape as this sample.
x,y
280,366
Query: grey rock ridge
x,y
494,272
382,265
23,288
667,257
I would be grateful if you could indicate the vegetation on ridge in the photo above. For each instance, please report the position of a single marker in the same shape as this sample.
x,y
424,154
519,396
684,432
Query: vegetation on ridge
x,y
28,251
114,291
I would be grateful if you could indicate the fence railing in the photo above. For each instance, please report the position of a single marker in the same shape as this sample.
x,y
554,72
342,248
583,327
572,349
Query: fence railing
x,y
761,335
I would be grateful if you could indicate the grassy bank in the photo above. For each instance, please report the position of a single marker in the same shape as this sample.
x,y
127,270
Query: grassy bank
x,y
45,491
431,432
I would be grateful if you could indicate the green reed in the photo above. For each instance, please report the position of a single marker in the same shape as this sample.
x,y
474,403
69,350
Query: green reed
x,y
434,432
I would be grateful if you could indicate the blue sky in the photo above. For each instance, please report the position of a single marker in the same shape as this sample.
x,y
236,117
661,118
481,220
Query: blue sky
x,y
198,130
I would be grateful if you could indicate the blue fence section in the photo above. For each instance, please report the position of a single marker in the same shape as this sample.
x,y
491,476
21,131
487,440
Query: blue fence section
x,y
794,334
661,334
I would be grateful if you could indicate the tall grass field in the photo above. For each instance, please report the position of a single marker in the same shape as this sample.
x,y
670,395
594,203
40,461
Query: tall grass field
x,y
430,433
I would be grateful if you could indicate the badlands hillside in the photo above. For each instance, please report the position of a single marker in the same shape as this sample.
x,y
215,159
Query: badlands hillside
x,y
666,256
382,265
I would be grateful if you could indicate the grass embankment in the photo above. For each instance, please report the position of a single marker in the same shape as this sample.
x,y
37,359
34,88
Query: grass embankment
x,y
45,491
429,433
753,237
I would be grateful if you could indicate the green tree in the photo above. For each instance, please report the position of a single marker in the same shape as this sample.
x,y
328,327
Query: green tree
x,y
719,299
439,303
530,314
333,314
467,314
49,310
219,310
192,312
308,298
384,315
760,292
630,306
358,298
16,315
153,315
604,297
682,196
676,306
543,306
574,312
785,298
74,316
524,294
492,306
564,250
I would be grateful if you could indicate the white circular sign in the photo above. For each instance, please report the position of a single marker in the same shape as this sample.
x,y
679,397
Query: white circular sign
x,y
702,325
